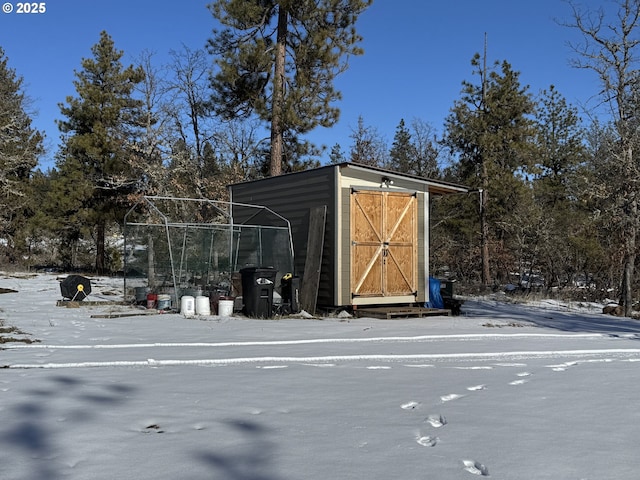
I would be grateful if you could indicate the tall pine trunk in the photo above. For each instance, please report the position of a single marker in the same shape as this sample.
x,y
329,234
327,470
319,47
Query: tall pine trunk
x,y
100,250
626,297
278,95
484,228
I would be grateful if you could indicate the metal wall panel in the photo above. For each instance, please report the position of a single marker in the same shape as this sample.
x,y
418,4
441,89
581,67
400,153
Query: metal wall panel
x,y
292,196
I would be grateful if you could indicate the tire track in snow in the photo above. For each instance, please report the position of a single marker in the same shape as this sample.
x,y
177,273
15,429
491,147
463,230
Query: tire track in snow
x,y
629,352
262,343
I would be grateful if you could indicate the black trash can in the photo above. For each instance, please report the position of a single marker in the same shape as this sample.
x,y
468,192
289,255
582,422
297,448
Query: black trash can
x,y
257,291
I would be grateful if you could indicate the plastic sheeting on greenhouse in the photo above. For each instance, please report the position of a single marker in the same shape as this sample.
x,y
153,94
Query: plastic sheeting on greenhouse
x,y
184,245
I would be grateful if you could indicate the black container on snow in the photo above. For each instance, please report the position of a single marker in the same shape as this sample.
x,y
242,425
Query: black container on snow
x,y
257,291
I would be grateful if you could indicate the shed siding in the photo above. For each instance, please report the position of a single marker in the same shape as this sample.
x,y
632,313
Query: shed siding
x,y
292,196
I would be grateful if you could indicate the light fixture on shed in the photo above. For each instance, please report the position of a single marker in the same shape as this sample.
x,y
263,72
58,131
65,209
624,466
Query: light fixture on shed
x,y
385,182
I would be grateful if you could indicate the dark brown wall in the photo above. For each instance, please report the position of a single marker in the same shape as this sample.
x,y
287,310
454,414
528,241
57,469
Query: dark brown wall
x,y
292,196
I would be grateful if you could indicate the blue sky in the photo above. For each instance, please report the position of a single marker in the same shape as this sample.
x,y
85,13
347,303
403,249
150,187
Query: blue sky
x,y
417,53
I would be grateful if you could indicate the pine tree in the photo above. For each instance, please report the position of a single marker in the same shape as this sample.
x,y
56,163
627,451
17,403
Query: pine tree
x,y
415,150
277,59
368,146
336,155
70,205
20,147
100,141
402,154
560,151
489,130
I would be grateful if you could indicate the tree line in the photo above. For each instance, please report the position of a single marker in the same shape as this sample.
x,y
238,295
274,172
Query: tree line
x,y
553,200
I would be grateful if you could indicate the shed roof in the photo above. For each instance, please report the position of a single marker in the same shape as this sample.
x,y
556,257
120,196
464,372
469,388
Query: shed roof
x,y
437,187
434,186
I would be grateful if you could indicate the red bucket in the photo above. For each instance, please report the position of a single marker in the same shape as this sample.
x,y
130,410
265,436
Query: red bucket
x,y
152,300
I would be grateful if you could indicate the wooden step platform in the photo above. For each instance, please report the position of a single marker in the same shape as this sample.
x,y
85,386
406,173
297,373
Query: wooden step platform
x,y
88,303
399,312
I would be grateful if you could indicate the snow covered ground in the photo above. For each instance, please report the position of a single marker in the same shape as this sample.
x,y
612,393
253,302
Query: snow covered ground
x,y
504,391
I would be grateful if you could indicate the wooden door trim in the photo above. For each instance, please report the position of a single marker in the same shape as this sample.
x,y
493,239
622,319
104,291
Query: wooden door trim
x,y
383,241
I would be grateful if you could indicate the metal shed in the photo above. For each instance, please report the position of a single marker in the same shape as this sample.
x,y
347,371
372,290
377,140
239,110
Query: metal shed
x,y
360,233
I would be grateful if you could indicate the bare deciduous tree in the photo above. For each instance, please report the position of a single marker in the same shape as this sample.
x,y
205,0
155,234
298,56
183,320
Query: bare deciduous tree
x,y
610,50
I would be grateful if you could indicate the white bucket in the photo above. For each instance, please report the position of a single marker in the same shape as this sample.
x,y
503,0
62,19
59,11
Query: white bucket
x,y
187,306
164,302
203,307
225,308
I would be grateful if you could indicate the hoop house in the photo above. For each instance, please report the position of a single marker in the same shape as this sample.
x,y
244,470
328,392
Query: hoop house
x,y
182,244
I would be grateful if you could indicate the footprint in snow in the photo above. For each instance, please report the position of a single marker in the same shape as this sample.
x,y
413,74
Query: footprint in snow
x,y
152,428
436,421
450,397
562,367
475,388
476,468
522,380
518,382
426,440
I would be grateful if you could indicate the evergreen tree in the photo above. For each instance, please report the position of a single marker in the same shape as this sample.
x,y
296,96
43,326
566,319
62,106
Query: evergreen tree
x,y
402,154
70,205
368,146
415,150
489,130
336,155
20,147
278,59
560,151
100,147
299,155
35,234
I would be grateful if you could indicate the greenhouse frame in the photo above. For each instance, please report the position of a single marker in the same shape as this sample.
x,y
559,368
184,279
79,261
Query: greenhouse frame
x,y
181,246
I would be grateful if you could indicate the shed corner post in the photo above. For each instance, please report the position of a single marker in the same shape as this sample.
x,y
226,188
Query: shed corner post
x,y
337,235
427,252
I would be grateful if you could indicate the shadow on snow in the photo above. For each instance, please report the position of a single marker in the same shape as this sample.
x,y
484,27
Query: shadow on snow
x,y
250,462
557,319
27,427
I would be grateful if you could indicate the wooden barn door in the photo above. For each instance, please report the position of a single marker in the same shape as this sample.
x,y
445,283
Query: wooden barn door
x,y
384,234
